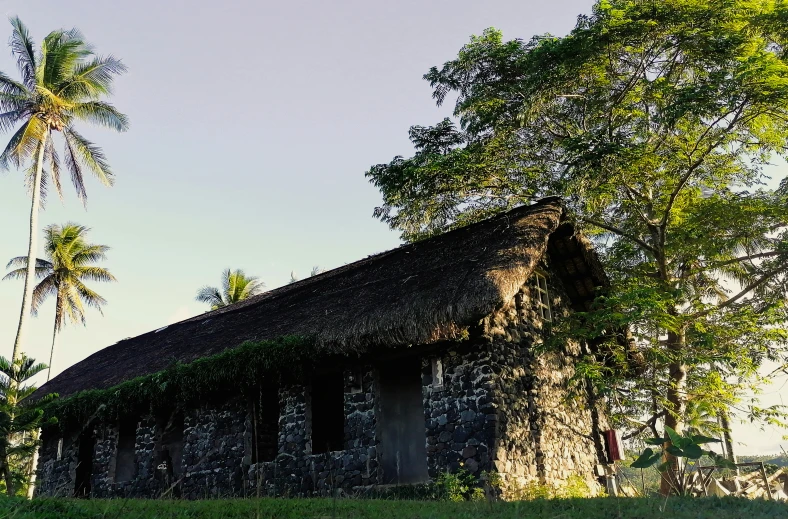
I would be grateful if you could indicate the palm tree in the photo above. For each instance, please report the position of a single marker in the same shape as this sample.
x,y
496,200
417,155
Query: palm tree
x,y
236,286
701,418
316,270
69,263
62,83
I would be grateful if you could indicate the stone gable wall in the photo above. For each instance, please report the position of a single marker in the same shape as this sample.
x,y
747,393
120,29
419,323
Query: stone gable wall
x,y
544,434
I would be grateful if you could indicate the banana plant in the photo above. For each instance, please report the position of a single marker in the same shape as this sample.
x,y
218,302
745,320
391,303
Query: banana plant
x,y
671,451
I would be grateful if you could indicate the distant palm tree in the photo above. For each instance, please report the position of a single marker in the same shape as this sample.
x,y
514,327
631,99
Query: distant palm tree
x,y
701,418
69,263
61,83
236,286
315,271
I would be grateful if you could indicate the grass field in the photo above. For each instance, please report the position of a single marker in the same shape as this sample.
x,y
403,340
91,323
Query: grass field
x,y
599,508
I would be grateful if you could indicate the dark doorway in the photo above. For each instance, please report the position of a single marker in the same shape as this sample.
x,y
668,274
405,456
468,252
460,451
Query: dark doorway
x,y
87,443
265,423
401,423
170,456
328,412
125,468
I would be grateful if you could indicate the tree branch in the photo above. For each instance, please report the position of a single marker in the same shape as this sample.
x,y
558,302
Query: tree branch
x,y
694,166
623,234
649,424
734,260
749,288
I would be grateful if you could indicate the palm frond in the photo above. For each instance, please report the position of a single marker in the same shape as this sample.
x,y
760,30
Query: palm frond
x,y
95,274
103,114
71,301
84,152
89,254
61,52
51,157
227,281
30,176
8,120
23,143
47,287
92,79
13,88
21,273
21,261
22,49
92,298
211,296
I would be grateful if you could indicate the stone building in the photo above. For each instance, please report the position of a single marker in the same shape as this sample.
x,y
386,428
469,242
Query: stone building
x,y
422,361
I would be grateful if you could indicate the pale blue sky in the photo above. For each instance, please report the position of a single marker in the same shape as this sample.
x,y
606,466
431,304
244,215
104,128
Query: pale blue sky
x,y
252,124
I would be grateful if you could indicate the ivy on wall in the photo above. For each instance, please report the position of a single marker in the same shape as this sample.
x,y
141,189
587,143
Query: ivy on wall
x,y
234,371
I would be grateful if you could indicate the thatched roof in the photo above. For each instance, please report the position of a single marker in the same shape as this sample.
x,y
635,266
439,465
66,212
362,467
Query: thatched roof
x,y
415,294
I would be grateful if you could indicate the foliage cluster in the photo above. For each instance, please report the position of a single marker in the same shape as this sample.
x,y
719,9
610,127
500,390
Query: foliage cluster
x,y
459,485
236,370
19,419
599,508
575,487
655,122
680,447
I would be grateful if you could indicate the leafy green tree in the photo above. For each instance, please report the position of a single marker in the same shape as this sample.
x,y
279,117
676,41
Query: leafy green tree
x,y
654,121
236,286
20,420
61,84
70,262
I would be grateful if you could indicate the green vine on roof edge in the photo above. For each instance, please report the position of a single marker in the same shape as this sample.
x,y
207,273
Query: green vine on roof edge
x,y
231,372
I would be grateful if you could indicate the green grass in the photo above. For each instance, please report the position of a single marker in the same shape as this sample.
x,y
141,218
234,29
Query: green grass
x,y
599,508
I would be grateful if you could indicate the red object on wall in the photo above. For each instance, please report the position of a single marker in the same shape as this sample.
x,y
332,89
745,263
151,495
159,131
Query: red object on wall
x,y
615,449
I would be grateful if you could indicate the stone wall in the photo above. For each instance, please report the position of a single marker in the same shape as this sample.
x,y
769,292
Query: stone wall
x,y
544,434
55,474
214,450
458,410
493,405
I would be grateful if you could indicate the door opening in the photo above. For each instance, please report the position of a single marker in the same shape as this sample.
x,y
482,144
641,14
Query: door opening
x,y
87,443
403,437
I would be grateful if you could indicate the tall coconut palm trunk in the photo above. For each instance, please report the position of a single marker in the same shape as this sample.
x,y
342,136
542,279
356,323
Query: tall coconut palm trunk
x,y
725,425
55,331
32,245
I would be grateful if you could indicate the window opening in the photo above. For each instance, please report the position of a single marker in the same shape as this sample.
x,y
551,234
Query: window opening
x,y
170,452
356,380
265,424
437,373
84,472
543,298
125,468
328,412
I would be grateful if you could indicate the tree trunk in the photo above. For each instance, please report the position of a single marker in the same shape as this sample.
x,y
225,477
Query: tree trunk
x,y
727,438
32,246
9,481
31,469
55,330
677,398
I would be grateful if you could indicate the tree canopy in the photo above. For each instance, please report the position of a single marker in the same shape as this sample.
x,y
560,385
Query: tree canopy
x,y
655,121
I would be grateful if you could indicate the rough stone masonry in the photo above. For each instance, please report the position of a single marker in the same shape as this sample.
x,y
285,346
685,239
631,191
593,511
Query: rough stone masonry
x,y
489,403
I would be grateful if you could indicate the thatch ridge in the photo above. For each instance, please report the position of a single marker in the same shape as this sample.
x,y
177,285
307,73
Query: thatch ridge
x,y
415,294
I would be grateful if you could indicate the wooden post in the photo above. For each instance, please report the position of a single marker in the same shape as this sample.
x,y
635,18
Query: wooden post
x,y
766,482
